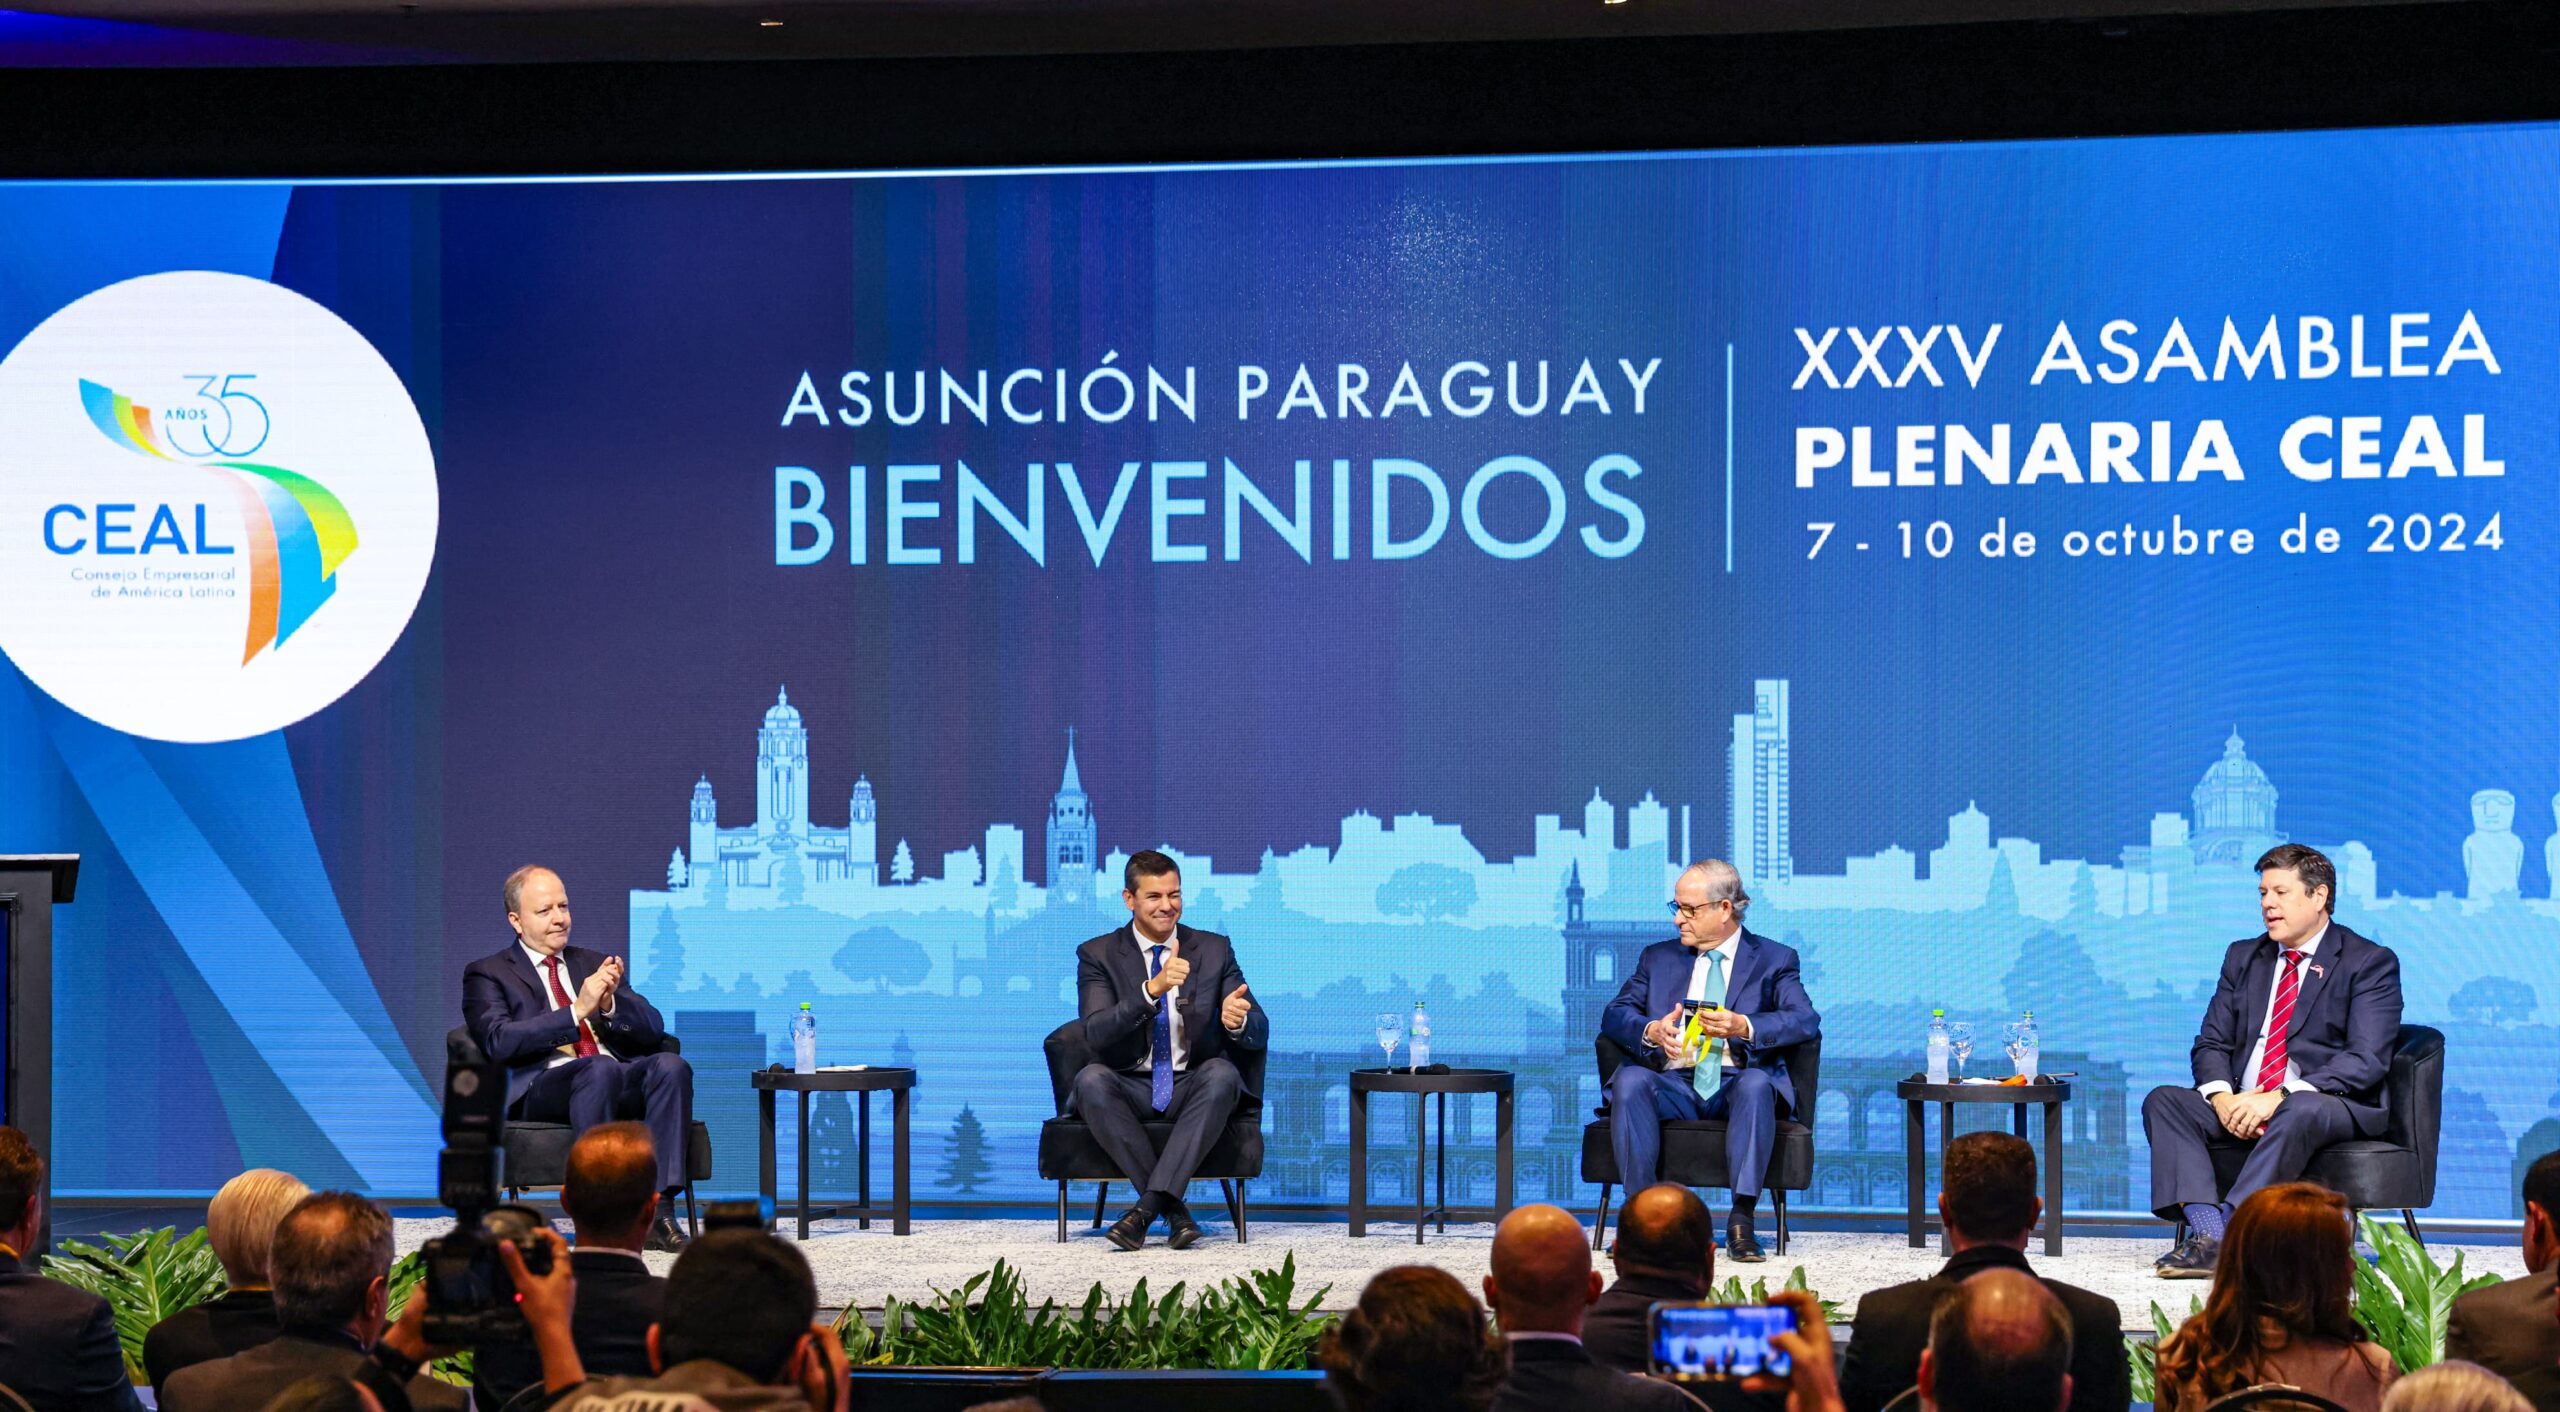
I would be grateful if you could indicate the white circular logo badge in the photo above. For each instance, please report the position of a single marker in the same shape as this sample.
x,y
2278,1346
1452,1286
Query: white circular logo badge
x,y
217,506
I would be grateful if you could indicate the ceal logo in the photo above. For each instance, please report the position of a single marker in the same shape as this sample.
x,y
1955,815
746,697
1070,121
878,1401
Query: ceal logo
x,y
217,506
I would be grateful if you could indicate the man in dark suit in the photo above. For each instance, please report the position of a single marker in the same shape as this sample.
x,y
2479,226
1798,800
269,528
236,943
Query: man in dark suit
x,y
2509,1328
1708,1017
1666,1249
1988,1200
2292,1056
1162,1003
2000,1339
1541,1286
580,1045
611,1194
331,1264
58,1346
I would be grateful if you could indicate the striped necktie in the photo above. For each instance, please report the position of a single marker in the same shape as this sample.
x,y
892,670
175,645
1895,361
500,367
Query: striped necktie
x,y
2279,1019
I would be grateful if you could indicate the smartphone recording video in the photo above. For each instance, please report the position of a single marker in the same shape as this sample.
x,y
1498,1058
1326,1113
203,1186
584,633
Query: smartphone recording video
x,y
1694,1342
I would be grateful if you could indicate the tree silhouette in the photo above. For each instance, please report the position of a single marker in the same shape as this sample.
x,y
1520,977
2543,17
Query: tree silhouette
x,y
964,1152
666,952
883,956
902,866
675,870
1428,890
2493,1000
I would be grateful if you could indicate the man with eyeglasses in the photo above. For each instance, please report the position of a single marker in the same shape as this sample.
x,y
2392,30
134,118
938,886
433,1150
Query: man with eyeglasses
x,y
1708,1017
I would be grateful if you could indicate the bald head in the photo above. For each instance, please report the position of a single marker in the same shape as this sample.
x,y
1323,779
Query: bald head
x,y
1542,1278
1665,1231
612,1185
2001,1340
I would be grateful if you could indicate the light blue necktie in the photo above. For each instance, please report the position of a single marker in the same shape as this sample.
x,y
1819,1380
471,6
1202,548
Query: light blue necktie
x,y
1710,1069
1160,1069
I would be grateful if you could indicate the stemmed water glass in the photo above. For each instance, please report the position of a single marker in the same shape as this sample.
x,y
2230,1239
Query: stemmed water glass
x,y
1390,1032
2013,1042
1960,1044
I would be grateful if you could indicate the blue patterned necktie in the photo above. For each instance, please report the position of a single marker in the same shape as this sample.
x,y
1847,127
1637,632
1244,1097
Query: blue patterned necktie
x,y
1710,1069
1160,1068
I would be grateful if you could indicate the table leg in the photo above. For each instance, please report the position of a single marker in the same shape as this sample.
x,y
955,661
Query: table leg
x,y
1946,1139
862,1151
1421,1154
1442,1160
1915,1137
768,1183
2018,1119
898,1109
2053,1179
1501,1155
804,1164
1359,1194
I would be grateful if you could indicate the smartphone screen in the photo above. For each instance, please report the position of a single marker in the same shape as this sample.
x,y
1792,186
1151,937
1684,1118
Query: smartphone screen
x,y
1719,1342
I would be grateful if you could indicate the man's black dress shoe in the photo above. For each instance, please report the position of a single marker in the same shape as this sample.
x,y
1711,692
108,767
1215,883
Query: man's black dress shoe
x,y
1740,1245
666,1235
1180,1231
1130,1231
2193,1259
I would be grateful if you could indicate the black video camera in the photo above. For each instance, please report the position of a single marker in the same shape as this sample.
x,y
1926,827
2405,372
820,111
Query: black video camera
x,y
471,1300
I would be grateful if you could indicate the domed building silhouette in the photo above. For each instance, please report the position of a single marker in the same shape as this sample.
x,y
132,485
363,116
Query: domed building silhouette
x,y
2235,809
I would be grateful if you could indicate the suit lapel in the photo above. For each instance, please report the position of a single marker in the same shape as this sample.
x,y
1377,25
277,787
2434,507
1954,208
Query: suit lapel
x,y
2254,985
525,973
2315,977
1745,970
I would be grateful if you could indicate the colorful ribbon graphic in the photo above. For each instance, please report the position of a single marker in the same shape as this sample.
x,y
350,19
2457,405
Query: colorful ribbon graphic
x,y
298,532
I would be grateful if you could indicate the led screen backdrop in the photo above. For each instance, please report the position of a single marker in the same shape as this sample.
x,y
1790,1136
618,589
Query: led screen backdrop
x,y
1991,549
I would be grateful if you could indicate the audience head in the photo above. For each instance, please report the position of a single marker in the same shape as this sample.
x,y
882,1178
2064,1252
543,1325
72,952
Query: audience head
x,y
2288,1270
2001,1340
241,1223
324,1392
2454,1386
1416,1342
1665,1231
330,1263
1988,1194
740,1298
1542,1279
611,1190
21,1190
2542,1212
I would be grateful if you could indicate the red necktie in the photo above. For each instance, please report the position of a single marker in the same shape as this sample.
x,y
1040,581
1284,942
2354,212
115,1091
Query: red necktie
x,y
2271,1068
587,1038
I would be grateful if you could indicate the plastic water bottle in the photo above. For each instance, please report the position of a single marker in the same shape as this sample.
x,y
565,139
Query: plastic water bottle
x,y
1420,1043
2030,1059
804,1041
1937,1046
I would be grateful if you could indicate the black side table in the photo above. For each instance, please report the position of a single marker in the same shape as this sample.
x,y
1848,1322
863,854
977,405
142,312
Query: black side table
x,y
1917,1092
1368,1081
899,1083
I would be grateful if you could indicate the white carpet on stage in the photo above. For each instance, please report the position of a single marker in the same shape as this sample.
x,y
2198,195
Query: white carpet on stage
x,y
865,1267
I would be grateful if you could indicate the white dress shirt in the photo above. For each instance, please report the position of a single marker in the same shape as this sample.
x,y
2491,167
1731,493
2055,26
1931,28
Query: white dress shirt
x,y
542,982
1172,1002
2258,1052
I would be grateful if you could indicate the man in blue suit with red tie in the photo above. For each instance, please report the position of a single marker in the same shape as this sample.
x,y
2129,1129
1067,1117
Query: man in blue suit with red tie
x,y
1747,995
2291,1058
580,1045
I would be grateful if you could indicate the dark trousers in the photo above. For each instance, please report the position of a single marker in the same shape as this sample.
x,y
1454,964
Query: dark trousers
x,y
657,1089
1641,1100
2182,1128
1116,1105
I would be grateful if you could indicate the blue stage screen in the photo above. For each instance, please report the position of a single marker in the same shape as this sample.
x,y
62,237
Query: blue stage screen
x,y
1991,548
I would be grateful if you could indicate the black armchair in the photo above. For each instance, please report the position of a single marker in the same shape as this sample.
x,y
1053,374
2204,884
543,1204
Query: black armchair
x,y
1693,1152
2397,1169
537,1154
1068,1152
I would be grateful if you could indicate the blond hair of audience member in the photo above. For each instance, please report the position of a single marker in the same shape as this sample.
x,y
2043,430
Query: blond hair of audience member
x,y
241,1223
2455,1386
1416,1342
2281,1311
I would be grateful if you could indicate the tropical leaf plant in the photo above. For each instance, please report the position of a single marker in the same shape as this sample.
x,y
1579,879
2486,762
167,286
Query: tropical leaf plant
x,y
145,1277
1732,1292
2404,1298
1251,1322
2142,1355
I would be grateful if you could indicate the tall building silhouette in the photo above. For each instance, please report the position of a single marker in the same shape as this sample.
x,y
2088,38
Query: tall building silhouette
x,y
1757,772
1071,837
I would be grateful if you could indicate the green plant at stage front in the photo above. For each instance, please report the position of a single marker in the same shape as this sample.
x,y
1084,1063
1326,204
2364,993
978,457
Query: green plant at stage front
x,y
990,1322
1732,1292
144,1278
2143,1354
2403,1297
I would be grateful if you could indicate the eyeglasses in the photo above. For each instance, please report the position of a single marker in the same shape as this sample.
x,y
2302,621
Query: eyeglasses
x,y
1684,911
